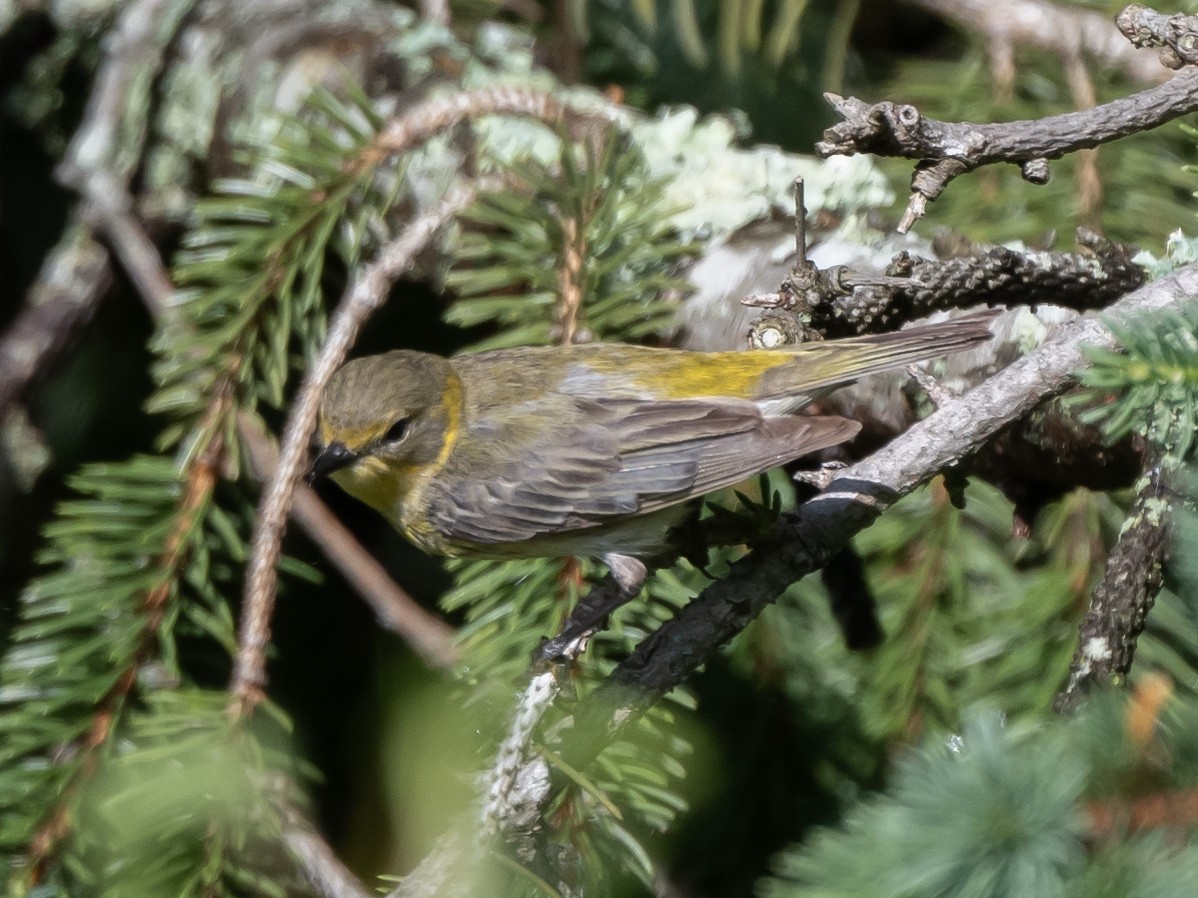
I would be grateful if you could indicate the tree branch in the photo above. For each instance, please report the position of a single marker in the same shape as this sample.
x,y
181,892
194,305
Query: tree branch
x,y
366,294
1120,603
811,535
948,149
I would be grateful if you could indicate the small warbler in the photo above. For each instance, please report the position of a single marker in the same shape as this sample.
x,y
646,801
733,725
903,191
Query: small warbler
x,y
584,450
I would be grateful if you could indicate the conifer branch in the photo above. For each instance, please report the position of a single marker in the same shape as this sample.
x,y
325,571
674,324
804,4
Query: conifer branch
x,y
811,535
199,481
367,293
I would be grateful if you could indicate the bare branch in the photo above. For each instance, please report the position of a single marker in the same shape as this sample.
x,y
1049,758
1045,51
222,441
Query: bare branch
x,y
366,294
110,206
431,637
948,149
813,533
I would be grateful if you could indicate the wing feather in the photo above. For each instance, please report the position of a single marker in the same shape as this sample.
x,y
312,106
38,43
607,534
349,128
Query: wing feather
x,y
605,459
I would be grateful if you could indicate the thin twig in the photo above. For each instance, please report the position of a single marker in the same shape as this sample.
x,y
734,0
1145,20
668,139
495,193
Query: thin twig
x,y
366,294
323,869
432,117
1064,31
431,637
109,204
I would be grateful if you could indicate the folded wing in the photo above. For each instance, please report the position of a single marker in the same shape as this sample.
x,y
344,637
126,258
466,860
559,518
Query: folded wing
x,y
604,459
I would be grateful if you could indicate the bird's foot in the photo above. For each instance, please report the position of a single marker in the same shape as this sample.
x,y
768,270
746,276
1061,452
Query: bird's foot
x,y
623,583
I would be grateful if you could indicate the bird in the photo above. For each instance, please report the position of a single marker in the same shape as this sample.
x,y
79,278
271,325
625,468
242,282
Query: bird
x,y
592,450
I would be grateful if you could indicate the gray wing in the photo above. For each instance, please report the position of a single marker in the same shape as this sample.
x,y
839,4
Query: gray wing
x,y
603,459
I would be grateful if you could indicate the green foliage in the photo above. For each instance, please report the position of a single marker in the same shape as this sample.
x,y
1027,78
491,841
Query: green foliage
x,y
83,627
988,813
1155,379
964,621
1142,868
1014,810
253,267
589,255
181,805
152,551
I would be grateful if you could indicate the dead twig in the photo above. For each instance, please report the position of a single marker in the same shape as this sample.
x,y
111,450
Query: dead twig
x,y
948,149
367,293
431,637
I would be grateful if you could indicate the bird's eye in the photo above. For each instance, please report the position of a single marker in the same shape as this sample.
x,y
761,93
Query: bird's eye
x,y
397,431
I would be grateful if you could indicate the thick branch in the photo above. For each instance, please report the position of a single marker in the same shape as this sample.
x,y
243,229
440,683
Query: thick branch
x,y
1120,603
810,536
949,149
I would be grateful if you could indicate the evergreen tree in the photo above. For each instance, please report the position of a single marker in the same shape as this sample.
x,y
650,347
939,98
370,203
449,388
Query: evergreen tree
x,y
281,155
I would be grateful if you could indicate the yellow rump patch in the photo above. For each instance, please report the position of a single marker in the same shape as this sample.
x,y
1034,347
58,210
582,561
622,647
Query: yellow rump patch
x,y
693,375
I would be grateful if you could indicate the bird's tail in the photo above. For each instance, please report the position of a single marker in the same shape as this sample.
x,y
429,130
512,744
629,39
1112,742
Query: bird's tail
x,y
823,366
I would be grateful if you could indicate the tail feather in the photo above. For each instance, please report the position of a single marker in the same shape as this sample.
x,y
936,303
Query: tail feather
x,y
821,367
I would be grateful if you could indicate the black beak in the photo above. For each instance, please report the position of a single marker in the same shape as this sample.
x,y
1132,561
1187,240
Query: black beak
x,y
332,457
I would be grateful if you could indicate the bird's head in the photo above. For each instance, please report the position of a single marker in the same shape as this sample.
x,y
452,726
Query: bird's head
x,y
383,420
